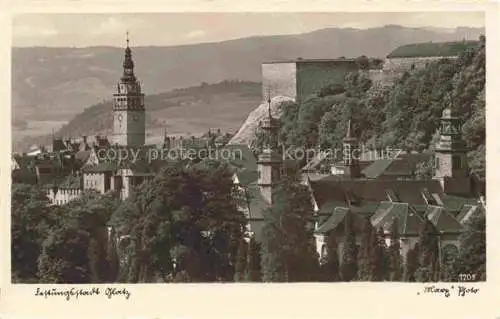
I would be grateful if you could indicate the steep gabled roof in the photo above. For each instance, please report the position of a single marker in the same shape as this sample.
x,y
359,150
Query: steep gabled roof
x,y
372,190
246,177
82,156
455,203
257,205
24,163
404,164
316,161
443,220
335,218
466,213
377,168
409,221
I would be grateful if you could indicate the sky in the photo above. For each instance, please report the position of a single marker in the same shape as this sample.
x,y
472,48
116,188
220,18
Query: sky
x,y
162,29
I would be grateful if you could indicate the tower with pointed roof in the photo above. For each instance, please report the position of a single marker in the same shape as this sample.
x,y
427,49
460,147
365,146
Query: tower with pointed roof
x,y
350,153
269,162
129,116
451,166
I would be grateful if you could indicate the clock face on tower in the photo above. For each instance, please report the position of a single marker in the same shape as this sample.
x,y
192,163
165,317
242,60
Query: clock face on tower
x,y
120,117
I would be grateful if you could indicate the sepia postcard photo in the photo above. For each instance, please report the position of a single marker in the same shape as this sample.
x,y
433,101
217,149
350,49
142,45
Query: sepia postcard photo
x,y
248,147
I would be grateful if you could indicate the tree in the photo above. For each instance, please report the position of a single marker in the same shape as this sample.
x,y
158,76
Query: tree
x,y
31,219
327,129
64,257
395,263
366,251
241,261
471,259
187,215
287,252
91,213
112,259
412,263
449,254
429,253
253,268
379,260
273,255
330,262
349,266
331,89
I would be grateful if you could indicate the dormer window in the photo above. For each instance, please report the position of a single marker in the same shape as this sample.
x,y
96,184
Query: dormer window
x,y
429,200
391,195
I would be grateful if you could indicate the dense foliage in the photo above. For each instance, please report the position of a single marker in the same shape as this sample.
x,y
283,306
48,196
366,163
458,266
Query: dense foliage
x,y
404,115
288,253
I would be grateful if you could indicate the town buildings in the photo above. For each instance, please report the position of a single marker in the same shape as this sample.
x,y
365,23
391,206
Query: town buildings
x,y
382,190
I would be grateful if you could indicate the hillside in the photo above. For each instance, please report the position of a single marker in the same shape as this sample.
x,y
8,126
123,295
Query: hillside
x,y
52,85
191,110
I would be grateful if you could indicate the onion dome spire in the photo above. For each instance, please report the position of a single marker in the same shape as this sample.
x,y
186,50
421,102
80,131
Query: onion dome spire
x,y
128,65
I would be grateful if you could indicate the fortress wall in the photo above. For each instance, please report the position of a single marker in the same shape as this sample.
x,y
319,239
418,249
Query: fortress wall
x,y
393,68
405,64
314,75
279,79
302,78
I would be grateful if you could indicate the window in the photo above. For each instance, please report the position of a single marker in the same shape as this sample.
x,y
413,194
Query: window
x,y
436,162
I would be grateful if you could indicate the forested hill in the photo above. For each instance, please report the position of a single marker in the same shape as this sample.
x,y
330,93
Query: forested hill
x,y
405,115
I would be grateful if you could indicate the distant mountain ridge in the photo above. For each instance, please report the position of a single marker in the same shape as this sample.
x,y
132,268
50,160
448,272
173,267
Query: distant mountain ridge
x,y
56,84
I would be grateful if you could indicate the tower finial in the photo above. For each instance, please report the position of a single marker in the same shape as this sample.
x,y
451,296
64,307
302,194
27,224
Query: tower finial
x,y
127,38
349,136
269,101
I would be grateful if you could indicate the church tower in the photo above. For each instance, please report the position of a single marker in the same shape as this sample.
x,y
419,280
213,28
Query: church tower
x,y
269,163
451,155
129,115
350,152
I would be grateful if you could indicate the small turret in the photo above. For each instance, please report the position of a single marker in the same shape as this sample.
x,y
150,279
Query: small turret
x,y
451,155
270,161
